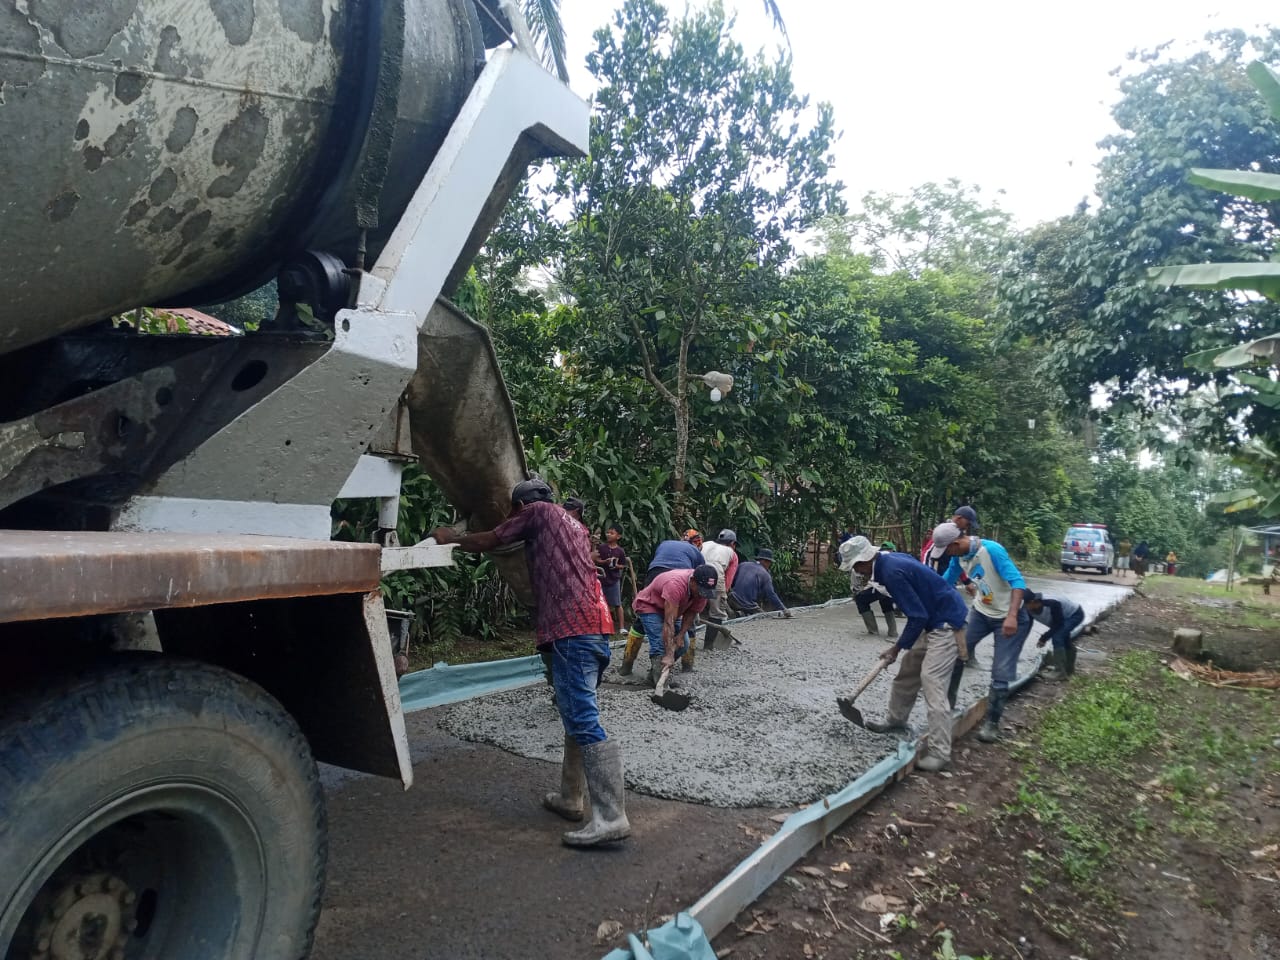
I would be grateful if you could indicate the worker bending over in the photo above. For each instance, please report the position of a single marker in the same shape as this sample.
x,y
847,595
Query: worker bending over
x,y
666,606
932,608
754,582
996,587
1065,620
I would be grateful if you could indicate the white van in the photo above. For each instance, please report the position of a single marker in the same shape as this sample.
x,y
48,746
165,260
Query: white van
x,y
1088,545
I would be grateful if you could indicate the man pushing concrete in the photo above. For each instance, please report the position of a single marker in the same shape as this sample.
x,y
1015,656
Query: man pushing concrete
x,y
575,624
932,607
997,587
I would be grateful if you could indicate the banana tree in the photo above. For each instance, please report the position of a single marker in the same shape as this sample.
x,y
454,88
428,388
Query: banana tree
x,y
1260,455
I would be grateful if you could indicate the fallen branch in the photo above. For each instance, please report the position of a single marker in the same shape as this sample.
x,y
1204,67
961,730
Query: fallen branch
x,y
1208,674
879,936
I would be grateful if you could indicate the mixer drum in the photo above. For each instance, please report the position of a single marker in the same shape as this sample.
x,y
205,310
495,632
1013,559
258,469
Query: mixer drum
x,y
178,151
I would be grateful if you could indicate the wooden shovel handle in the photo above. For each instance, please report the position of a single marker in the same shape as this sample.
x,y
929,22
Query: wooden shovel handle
x,y
867,681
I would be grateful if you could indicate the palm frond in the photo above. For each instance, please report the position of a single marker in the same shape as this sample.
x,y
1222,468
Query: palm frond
x,y
775,14
543,17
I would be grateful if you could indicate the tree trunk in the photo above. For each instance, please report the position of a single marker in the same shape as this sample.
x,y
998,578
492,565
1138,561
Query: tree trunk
x,y
679,469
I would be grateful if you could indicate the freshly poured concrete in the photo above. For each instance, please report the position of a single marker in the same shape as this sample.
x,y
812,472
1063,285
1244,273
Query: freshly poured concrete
x,y
763,729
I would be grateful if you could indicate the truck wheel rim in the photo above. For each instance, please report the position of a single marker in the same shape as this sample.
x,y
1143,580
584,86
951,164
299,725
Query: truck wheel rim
x,y
166,870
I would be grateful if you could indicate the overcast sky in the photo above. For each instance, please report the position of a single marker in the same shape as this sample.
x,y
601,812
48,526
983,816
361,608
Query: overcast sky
x,y
1010,96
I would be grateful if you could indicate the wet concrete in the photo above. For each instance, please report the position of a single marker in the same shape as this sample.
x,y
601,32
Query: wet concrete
x,y
762,729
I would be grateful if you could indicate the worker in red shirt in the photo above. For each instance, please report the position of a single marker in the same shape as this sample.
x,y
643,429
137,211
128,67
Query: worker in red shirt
x,y
668,607
574,623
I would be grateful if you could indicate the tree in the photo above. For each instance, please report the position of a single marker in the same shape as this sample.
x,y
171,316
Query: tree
x,y
1080,286
700,172
934,226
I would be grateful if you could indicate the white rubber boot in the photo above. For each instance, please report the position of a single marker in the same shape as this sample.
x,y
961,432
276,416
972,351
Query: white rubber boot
x,y
602,763
573,784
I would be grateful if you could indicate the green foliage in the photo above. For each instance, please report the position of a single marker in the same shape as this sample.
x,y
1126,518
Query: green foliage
x,y
1103,723
1079,285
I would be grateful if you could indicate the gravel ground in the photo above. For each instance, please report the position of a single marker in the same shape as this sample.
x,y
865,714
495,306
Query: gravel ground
x,y
763,729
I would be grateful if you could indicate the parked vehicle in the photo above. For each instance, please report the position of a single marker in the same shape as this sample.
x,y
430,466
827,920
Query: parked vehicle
x,y
1088,546
180,639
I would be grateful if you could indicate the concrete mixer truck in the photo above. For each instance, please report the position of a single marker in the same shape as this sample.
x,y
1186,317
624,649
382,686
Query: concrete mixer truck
x,y
180,640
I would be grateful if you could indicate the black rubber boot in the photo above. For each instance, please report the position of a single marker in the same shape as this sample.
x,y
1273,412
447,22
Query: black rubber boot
x,y
602,763
573,784
901,729
1071,658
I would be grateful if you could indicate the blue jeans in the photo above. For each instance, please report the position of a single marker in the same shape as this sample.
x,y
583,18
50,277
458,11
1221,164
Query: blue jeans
x,y
651,624
1064,636
1004,663
577,664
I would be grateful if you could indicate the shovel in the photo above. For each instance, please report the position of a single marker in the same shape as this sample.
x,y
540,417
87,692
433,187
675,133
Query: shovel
x,y
723,640
847,709
668,699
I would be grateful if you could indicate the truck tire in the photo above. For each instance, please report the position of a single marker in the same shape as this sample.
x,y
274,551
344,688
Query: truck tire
x,y
161,809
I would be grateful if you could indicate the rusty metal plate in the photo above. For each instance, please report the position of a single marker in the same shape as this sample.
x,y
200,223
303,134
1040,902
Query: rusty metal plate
x,y
50,574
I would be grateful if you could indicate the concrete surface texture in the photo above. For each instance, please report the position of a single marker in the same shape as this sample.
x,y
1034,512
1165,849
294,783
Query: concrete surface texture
x,y
763,729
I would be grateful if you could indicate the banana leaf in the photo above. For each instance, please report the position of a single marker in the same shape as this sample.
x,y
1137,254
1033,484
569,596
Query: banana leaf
x,y
1240,183
1263,278
1268,84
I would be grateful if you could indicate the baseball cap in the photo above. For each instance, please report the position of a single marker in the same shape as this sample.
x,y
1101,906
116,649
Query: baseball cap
x,y
727,536
856,550
705,576
692,534
968,513
764,553
531,491
944,535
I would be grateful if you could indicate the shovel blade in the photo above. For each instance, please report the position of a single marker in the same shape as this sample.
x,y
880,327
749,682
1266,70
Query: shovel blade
x,y
670,700
850,712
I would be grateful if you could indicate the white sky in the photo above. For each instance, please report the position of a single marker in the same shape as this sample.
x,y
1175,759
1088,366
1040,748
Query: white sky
x,y
1010,96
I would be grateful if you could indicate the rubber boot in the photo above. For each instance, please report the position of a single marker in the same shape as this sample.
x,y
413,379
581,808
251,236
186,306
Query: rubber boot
x,y
686,659
655,673
869,619
887,726
890,625
708,638
1055,666
630,652
573,784
1069,658
989,732
602,764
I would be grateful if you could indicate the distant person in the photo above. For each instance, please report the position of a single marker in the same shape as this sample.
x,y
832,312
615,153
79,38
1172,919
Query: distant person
x,y
666,608
966,518
574,507
1171,564
723,555
867,592
848,533
996,587
1123,549
1139,557
612,559
754,583
934,609
573,621
1065,620
683,554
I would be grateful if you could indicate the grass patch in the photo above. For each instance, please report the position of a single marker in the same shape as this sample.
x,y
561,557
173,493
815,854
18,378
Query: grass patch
x,y
1102,723
1127,756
